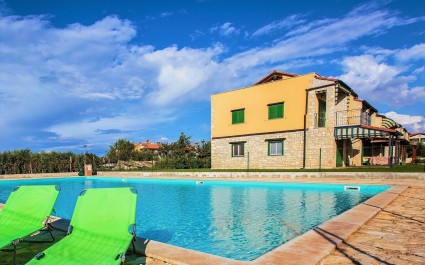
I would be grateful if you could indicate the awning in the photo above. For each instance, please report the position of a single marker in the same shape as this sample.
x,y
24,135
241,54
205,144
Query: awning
x,y
360,132
389,123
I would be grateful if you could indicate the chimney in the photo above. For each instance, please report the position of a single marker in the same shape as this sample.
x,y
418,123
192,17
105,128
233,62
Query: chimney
x,y
158,143
147,141
196,145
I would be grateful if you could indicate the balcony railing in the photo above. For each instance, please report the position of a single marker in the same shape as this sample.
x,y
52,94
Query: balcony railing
x,y
352,117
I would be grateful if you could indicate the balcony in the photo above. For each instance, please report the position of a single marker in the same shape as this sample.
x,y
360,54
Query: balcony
x,y
352,117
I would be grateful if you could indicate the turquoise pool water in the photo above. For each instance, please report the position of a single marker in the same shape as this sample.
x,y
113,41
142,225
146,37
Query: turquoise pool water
x,y
238,220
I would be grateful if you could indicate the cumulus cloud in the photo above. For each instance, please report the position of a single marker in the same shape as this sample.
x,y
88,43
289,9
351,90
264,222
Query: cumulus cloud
x,y
374,76
225,30
411,122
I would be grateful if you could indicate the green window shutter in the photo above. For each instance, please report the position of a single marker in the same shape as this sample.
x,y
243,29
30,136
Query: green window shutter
x,y
234,117
276,111
268,148
238,116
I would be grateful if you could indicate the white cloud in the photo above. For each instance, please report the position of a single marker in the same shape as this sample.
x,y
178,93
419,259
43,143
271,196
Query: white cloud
x,y
412,123
324,38
288,22
417,52
225,30
380,81
419,70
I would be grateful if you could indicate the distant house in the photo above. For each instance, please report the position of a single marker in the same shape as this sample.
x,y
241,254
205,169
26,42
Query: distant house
x,y
147,146
417,137
287,120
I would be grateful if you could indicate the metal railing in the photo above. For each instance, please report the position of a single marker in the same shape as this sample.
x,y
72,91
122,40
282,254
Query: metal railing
x,y
352,117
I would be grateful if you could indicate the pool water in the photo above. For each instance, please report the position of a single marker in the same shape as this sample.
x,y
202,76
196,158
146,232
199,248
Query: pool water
x,y
237,220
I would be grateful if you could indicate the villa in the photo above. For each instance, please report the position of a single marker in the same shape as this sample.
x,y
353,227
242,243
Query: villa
x,y
147,146
287,120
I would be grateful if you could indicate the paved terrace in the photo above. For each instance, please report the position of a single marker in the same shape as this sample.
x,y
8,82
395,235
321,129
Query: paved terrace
x,y
389,229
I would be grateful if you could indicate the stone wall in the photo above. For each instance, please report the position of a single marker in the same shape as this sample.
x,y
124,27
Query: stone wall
x,y
256,152
273,176
320,141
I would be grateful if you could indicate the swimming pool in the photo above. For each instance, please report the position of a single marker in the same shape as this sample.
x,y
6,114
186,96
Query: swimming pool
x,y
238,220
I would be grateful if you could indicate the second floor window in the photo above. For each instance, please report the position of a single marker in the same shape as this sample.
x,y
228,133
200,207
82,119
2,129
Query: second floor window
x,y
238,116
276,111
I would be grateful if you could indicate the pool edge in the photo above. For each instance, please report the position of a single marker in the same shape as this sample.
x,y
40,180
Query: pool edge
x,y
308,248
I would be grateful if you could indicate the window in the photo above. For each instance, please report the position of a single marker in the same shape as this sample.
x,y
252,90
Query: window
x,y
276,111
276,148
238,116
238,149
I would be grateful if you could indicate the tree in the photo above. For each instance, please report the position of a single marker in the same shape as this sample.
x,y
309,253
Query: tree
x,y
121,150
420,151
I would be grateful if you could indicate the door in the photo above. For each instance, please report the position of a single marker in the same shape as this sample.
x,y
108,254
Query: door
x,y
322,113
339,152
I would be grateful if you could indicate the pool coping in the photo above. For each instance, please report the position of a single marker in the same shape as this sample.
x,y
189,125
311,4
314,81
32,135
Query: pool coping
x,y
308,248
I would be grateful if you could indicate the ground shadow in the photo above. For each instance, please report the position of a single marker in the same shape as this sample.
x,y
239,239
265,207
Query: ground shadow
x,y
329,236
396,214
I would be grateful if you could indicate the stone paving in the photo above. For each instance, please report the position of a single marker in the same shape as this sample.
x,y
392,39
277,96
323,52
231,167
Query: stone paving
x,y
396,235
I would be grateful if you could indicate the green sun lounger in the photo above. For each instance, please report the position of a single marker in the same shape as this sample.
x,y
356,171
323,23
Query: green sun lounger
x,y
101,229
26,211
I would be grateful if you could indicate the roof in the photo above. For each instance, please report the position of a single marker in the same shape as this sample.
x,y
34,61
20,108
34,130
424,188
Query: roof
x,y
317,76
418,133
366,103
274,75
148,145
277,75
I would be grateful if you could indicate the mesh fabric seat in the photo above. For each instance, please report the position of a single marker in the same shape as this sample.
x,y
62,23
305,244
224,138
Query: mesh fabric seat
x,y
26,211
100,229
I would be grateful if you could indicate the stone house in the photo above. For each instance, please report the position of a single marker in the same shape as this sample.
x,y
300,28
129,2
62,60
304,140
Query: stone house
x,y
287,120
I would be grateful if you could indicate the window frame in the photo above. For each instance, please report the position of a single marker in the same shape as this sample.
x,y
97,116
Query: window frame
x,y
236,117
232,145
274,115
270,142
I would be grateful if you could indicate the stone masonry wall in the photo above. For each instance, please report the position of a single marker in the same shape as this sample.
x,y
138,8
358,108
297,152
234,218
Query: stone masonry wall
x,y
257,147
321,139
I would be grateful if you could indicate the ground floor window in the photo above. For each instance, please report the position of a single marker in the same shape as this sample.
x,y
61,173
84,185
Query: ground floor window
x,y
275,148
238,149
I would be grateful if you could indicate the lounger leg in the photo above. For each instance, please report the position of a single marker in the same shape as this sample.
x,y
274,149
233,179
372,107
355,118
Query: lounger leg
x,y
14,254
133,243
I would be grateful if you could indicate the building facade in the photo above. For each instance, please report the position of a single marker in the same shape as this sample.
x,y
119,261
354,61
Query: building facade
x,y
417,138
293,121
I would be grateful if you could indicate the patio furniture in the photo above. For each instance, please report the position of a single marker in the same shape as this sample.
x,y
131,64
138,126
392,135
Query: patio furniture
x,y
101,229
27,210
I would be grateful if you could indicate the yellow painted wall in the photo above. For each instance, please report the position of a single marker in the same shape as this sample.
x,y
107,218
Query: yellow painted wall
x,y
254,100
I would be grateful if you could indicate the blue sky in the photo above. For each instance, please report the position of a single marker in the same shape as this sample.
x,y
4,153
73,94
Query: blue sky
x,y
75,73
